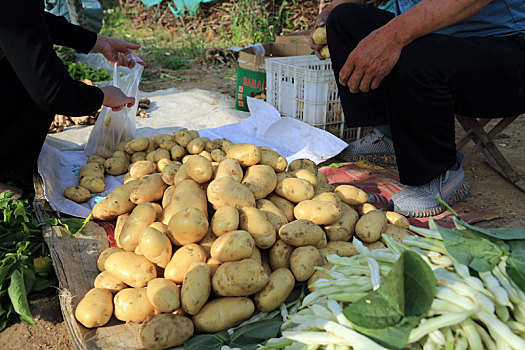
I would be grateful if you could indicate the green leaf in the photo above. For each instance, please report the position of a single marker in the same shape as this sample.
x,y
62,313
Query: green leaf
x,y
255,333
43,283
17,294
7,265
73,225
207,341
516,263
389,313
29,279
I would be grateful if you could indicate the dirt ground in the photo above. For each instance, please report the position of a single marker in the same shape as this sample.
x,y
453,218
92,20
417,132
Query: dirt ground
x,y
489,191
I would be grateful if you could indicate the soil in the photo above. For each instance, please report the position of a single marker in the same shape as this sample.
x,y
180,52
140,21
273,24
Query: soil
x,y
489,191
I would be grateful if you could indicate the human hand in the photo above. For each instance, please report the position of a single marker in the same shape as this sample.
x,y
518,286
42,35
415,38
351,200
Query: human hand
x,y
371,61
320,21
115,98
117,51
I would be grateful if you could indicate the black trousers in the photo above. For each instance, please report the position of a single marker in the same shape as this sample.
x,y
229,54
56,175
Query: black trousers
x,y
436,77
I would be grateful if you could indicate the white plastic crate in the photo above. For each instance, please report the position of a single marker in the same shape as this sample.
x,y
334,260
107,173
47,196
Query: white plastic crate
x,y
304,88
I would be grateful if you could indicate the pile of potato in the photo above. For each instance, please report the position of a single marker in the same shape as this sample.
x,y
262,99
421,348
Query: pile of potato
x,y
211,230
319,37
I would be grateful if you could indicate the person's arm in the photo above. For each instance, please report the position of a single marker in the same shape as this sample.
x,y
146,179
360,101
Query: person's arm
x,y
375,56
66,34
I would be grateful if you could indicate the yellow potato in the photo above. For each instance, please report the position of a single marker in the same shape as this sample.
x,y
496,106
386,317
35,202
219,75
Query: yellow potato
x,y
159,154
342,248
300,233
165,331
225,191
284,204
196,146
141,217
116,203
351,195
182,137
395,233
182,260
96,159
239,278
199,169
280,255
196,288
229,168
272,213
256,256
161,164
375,245
96,308
169,172
187,194
273,159
280,285
306,175
319,274
321,178
343,229
284,175
223,313
92,167
138,145
224,220
365,208
122,154
187,226
214,265
207,242
319,36
132,305
260,179
226,145
116,166
324,252
247,154
107,281
155,246
370,226
302,262
167,144
181,175
121,220
303,163
218,155
327,197
322,243
105,255
77,194
163,294
91,173
397,219
206,155
295,190
233,246
254,221
325,52
322,188
93,184
159,226
132,269
150,189
138,157
319,212
177,152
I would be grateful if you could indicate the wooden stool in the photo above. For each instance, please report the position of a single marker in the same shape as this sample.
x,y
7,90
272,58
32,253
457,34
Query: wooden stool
x,y
475,131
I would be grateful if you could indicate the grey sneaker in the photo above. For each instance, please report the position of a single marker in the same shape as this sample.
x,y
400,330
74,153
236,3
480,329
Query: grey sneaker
x,y
420,201
374,147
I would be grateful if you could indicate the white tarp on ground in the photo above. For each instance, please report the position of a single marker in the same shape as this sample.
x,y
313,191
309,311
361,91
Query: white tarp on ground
x,y
210,113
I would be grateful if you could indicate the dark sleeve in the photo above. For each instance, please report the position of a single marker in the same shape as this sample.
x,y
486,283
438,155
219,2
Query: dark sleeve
x,y
66,34
28,48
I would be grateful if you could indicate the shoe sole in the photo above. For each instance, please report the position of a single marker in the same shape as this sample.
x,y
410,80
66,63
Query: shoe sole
x,y
382,159
457,196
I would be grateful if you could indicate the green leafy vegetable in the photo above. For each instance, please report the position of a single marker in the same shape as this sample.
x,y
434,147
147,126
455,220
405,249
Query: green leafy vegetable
x,y
250,336
18,295
207,341
389,313
72,225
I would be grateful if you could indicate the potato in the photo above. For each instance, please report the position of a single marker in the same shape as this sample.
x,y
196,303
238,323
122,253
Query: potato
x,y
272,213
182,260
187,194
325,52
218,155
303,163
141,217
138,145
318,274
182,137
342,248
90,167
260,179
223,313
167,144
159,154
116,166
319,212
279,255
187,226
77,194
163,294
122,154
306,175
132,305
397,219
254,221
121,220
246,154
96,159
96,308
161,164
319,36
181,175
169,172
196,288
322,243
395,233
229,168
159,226
224,220
365,208
195,146
168,196
225,191
107,281
213,264
155,246
233,246
177,152
138,157
239,278
300,233
93,184
295,190
324,252
284,175
206,155
207,242
351,195
281,282
284,204
105,255
327,197
161,138
132,269
256,256
226,145
321,178
302,262
322,188
375,245
116,203
273,159
91,173
199,169
165,331
370,226
343,229
150,189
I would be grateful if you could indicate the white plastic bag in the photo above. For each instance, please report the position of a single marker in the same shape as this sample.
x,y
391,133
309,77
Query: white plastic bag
x,y
113,129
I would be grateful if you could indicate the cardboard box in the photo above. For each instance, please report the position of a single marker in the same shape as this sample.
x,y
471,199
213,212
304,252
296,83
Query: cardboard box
x,y
298,38
251,74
